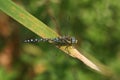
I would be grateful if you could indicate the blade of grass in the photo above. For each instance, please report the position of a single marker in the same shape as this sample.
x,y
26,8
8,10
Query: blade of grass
x,y
42,30
26,19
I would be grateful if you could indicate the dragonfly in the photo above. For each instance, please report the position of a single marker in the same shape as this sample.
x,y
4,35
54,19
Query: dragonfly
x,y
58,41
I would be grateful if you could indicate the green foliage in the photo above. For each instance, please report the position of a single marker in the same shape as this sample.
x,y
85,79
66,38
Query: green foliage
x,y
95,23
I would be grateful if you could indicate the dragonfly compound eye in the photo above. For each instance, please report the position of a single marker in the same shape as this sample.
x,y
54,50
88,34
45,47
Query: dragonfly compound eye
x,y
73,40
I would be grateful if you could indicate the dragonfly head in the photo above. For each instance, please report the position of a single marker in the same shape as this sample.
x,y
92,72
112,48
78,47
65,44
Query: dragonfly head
x,y
73,40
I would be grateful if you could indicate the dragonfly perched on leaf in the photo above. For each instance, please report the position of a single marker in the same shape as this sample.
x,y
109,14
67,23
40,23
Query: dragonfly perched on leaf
x,y
58,41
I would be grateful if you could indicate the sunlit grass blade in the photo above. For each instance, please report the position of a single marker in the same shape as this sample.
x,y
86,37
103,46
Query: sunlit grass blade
x,y
26,19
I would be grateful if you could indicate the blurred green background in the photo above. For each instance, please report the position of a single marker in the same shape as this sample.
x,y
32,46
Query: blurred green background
x,y
95,23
